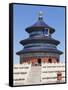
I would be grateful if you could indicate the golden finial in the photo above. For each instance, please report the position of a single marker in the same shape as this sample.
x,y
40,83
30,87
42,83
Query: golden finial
x,y
40,15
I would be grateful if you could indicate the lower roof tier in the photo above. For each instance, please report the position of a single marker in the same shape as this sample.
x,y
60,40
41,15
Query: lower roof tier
x,y
43,39
39,50
39,55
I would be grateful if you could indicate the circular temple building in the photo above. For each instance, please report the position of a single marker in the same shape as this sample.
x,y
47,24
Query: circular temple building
x,y
40,46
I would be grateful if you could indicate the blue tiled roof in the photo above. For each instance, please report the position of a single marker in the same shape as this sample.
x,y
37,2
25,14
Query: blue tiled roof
x,y
39,24
40,50
40,39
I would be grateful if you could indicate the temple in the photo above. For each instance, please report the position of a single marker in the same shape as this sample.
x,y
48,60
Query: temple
x,y
39,47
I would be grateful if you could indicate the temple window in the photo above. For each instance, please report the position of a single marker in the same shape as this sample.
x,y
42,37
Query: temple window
x,y
58,60
50,60
46,32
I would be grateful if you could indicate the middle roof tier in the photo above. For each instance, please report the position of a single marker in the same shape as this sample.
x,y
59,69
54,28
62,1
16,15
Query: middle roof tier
x,y
43,39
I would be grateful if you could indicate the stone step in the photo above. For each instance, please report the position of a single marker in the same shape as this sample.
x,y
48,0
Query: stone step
x,y
34,75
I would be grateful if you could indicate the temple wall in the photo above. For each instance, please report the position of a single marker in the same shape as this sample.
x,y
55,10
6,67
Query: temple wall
x,y
35,60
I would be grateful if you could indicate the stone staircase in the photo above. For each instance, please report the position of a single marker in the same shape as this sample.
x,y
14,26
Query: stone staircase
x,y
34,75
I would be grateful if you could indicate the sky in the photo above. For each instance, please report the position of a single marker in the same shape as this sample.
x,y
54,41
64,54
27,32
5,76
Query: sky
x,y
26,15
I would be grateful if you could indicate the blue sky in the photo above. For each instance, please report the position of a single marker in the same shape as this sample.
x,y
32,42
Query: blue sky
x,y
27,15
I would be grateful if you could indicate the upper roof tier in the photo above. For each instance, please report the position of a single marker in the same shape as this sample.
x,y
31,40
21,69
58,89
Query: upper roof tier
x,y
39,25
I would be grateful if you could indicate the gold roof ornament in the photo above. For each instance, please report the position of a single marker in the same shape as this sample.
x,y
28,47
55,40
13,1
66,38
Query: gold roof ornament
x,y
40,14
